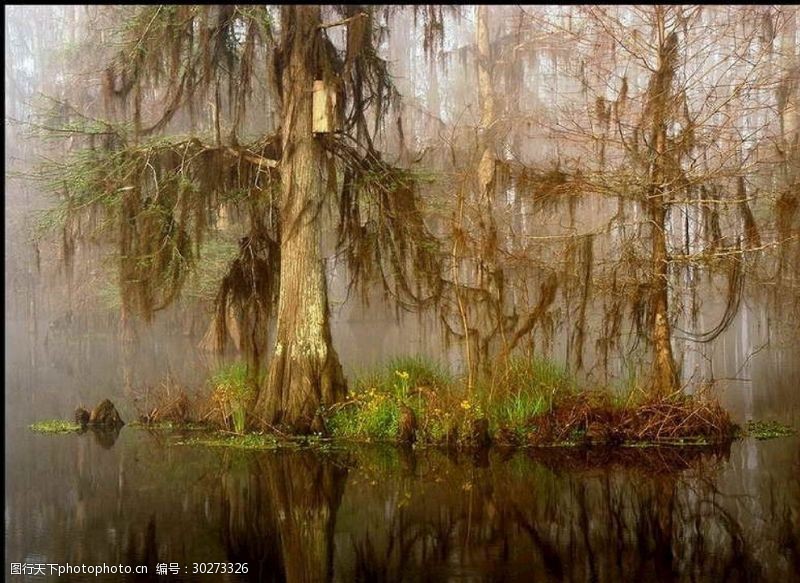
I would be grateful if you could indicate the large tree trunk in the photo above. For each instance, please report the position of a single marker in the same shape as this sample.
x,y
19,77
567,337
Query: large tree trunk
x,y
660,105
305,371
665,376
788,203
789,109
490,276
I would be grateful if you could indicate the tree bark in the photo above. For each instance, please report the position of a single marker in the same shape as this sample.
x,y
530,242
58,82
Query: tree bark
x,y
665,375
305,372
789,111
490,273
788,202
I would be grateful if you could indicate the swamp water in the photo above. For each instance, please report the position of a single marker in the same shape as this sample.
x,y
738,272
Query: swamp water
x,y
376,513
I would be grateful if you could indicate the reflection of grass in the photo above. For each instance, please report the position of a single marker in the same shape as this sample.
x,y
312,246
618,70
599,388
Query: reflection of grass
x,y
768,429
55,426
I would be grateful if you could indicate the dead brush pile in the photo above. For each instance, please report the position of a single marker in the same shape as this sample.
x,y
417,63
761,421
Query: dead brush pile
x,y
594,417
168,402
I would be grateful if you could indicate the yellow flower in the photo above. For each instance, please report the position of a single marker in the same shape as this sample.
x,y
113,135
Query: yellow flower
x,y
402,374
466,405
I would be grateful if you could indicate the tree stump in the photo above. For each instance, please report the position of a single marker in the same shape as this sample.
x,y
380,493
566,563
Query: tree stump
x,y
479,433
82,417
407,429
106,415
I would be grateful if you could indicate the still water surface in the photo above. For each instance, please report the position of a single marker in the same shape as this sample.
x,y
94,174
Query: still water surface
x,y
381,514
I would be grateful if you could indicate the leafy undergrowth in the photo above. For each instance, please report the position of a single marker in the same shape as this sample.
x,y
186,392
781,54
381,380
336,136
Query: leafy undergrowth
x,y
534,402
55,426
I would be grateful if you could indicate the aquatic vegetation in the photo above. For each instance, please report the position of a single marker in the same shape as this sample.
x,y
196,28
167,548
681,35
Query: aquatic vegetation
x,y
258,441
402,372
245,441
533,402
593,417
410,399
537,374
55,426
768,429
378,399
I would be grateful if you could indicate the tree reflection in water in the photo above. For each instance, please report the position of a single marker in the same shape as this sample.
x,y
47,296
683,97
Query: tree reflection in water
x,y
278,515
386,514
382,514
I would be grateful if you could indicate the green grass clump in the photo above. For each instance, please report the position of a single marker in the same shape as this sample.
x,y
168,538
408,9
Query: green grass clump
x,y
372,415
445,410
538,375
768,429
403,373
234,390
529,387
55,426
518,409
373,411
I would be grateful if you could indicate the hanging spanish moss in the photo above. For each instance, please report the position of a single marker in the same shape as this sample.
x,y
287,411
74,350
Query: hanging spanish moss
x,y
557,194
382,231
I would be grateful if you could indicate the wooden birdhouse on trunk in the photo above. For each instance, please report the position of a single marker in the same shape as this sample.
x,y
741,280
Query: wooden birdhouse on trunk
x,y
326,110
